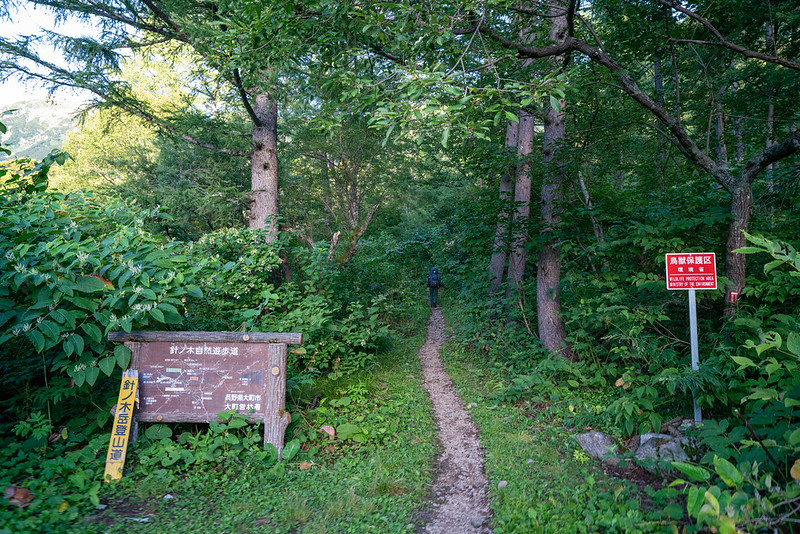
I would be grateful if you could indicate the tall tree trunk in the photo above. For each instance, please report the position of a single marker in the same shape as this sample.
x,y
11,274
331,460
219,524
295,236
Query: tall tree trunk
x,y
497,264
771,48
264,163
587,201
522,198
770,136
738,133
552,332
674,58
720,148
741,208
658,78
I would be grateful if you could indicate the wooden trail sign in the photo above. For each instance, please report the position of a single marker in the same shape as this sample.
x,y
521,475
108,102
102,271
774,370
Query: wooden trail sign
x,y
123,419
192,376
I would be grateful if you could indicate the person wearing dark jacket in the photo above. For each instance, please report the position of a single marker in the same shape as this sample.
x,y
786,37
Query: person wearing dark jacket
x,y
434,283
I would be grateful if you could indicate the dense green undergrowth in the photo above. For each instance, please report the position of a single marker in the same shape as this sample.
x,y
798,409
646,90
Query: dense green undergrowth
x,y
73,270
372,476
540,480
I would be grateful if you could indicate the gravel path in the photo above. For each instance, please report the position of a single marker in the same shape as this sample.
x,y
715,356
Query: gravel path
x,y
460,505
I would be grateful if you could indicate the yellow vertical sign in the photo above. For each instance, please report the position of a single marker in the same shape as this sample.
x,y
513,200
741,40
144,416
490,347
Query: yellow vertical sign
x,y
118,446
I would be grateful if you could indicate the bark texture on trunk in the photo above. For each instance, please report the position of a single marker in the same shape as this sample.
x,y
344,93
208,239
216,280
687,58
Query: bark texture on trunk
x,y
741,207
548,270
552,332
720,147
264,162
497,264
522,197
739,187
658,78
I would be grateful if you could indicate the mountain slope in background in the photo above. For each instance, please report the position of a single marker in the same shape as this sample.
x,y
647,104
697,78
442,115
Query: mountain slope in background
x,y
36,127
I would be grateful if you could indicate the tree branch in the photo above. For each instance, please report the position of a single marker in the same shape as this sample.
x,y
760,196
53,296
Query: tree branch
x,y
61,77
237,81
627,84
722,41
770,155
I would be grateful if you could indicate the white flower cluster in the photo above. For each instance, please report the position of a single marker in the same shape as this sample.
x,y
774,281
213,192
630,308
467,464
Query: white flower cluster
x,y
138,308
32,272
82,257
135,270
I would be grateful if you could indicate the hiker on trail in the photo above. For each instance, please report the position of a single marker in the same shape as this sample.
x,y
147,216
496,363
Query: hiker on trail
x,y
434,283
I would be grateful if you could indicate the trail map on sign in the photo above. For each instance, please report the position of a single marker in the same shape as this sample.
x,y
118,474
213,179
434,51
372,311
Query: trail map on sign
x,y
692,271
199,380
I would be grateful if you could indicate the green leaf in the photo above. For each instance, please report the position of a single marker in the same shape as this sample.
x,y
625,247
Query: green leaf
x,y
50,329
790,403
93,332
712,500
84,303
694,472
107,365
290,450
743,362
445,136
77,342
5,316
555,104
126,325
79,378
347,430
727,472
510,116
771,265
157,314
794,438
68,346
694,501
194,291
89,284
748,250
158,431
122,355
37,339
793,343
237,422
91,375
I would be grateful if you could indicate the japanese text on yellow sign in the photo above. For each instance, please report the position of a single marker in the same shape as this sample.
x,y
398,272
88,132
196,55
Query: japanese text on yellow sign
x,y
118,446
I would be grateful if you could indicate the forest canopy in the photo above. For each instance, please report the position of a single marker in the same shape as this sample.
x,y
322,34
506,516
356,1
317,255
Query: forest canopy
x,y
298,166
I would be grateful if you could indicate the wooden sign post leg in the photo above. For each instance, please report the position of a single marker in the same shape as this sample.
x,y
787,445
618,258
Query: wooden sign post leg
x,y
276,419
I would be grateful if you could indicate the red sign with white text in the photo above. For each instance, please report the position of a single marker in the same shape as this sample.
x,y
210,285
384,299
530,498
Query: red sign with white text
x,y
694,270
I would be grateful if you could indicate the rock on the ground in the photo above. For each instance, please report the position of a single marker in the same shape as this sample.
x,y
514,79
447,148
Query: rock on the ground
x,y
662,447
599,446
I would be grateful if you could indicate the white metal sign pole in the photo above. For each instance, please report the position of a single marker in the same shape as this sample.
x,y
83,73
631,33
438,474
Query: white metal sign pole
x,y
698,418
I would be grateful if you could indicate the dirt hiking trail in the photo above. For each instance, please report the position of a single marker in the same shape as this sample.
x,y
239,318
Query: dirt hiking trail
x,y
459,489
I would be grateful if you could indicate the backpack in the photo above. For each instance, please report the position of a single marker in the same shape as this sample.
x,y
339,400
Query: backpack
x,y
433,278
